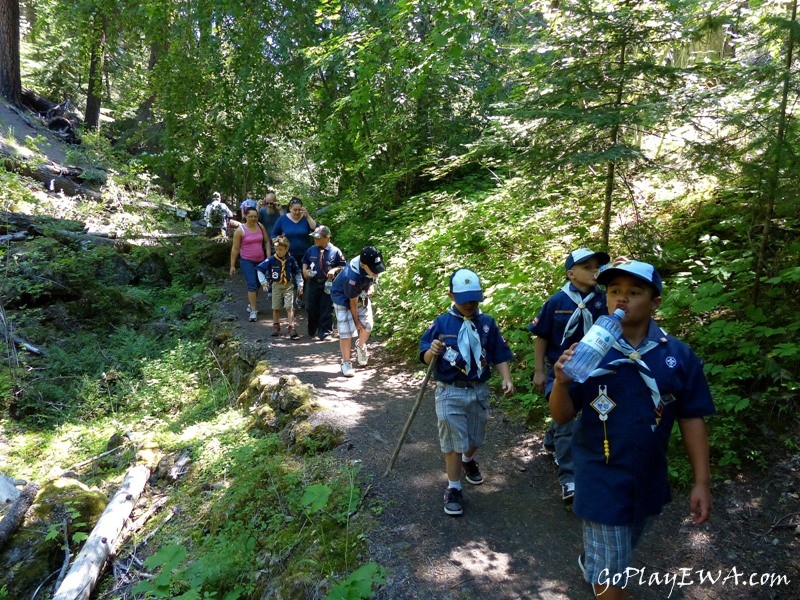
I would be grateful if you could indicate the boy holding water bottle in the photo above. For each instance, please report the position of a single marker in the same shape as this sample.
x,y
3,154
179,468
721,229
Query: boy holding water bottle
x,y
626,408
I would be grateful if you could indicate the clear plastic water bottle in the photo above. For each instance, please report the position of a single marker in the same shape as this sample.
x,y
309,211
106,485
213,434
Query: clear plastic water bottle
x,y
594,346
328,285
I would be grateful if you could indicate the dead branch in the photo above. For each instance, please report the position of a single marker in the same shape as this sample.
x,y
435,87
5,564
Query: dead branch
x,y
16,513
83,463
67,555
82,577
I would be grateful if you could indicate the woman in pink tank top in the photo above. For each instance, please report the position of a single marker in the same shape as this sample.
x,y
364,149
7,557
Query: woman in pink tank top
x,y
251,245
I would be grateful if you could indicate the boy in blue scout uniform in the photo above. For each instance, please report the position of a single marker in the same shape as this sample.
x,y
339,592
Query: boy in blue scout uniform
x,y
466,341
280,275
627,408
563,320
321,263
351,293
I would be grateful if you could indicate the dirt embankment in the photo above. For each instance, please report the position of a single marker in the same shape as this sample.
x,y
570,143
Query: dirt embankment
x,y
516,539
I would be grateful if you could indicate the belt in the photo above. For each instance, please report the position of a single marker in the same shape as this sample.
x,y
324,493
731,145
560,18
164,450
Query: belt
x,y
462,384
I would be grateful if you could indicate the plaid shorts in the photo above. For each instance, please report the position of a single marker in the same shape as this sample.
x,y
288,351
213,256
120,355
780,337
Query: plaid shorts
x,y
282,295
609,551
462,414
344,318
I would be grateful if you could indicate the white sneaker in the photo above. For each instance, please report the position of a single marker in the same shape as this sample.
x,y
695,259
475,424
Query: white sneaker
x,y
362,356
253,315
347,369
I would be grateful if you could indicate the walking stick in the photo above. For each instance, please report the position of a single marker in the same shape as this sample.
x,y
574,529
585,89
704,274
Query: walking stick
x,y
412,415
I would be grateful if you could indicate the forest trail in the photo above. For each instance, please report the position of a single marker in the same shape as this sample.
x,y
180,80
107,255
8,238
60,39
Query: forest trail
x,y
516,540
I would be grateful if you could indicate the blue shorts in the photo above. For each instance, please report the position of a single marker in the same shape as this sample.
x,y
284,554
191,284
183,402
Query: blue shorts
x,y
462,414
609,551
248,268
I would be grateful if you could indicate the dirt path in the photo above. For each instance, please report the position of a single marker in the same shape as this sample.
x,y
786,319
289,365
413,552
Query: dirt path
x,y
516,540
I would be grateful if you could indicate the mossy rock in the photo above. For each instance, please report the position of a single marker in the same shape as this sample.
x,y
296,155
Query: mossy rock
x,y
28,559
305,438
265,419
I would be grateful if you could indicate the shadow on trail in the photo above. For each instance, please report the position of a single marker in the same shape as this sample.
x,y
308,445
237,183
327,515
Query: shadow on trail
x,y
515,540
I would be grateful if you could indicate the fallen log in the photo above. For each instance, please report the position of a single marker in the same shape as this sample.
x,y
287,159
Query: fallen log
x,y
55,179
82,577
16,513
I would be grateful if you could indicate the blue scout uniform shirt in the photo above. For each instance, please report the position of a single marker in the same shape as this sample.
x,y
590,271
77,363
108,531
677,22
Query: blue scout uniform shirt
x,y
321,260
350,282
552,319
450,365
633,484
273,269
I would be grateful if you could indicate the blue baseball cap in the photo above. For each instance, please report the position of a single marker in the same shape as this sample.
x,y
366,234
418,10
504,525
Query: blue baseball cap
x,y
641,270
580,255
465,285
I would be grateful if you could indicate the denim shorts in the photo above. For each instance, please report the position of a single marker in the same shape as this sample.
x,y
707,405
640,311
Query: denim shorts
x,y
347,327
248,268
609,550
462,414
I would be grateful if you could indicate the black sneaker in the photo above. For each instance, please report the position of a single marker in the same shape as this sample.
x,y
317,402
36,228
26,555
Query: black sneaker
x,y
472,472
568,492
582,563
452,502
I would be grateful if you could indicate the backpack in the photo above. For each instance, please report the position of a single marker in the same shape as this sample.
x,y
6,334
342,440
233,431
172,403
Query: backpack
x,y
217,216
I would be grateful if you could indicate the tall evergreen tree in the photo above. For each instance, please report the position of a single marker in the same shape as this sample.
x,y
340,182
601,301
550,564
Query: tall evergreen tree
x,y
10,80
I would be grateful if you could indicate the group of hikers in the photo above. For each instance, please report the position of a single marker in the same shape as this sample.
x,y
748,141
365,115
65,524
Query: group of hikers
x,y
285,253
609,434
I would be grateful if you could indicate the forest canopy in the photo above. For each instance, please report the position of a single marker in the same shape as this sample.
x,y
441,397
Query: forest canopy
x,y
497,135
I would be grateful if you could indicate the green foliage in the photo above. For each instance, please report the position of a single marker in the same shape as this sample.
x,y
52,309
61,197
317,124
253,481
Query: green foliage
x,y
359,584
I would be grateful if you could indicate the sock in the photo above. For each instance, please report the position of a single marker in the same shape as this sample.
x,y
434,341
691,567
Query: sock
x,y
465,459
454,484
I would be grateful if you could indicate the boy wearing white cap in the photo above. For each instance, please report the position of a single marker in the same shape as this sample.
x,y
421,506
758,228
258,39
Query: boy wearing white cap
x,y
466,341
563,320
627,408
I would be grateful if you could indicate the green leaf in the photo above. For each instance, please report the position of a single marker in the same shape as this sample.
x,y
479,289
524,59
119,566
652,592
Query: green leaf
x,y
316,497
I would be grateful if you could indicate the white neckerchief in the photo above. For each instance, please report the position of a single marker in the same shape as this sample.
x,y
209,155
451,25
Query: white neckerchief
x,y
635,356
572,324
469,342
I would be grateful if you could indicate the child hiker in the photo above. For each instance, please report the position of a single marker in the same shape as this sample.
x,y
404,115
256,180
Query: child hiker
x,y
466,342
280,274
627,407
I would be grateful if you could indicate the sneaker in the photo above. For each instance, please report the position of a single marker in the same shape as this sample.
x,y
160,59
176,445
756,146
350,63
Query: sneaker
x,y
568,492
347,369
293,332
472,473
452,502
253,315
276,329
582,563
362,356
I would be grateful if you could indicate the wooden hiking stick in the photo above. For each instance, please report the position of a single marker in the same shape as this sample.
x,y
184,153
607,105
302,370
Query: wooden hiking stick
x,y
412,415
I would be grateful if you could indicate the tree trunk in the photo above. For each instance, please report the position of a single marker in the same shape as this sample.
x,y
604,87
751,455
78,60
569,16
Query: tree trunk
x,y
780,140
16,514
96,63
10,80
612,165
82,577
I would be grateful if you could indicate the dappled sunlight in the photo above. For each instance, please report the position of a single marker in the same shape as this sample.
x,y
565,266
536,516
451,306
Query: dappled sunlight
x,y
225,422
478,558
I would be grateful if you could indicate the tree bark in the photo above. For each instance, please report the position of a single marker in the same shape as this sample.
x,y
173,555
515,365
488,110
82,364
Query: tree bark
x,y
10,80
16,514
82,577
775,172
96,65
